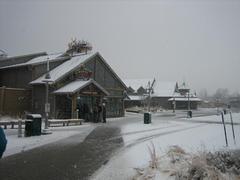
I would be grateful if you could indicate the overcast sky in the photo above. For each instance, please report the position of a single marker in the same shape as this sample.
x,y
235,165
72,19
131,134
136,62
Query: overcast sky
x,y
193,40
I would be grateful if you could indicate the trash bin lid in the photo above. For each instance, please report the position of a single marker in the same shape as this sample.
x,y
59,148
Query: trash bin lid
x,y
28,120
34,115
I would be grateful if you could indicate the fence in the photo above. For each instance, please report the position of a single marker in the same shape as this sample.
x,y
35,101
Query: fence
x,y
14,101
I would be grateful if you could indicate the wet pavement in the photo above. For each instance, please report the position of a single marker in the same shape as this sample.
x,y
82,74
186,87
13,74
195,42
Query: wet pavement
x,y
66,159
73,157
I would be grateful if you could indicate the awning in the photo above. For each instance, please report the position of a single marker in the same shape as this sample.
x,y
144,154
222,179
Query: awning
x,y
78,85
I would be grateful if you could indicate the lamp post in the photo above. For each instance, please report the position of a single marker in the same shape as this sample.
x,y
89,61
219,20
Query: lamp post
x,y
174,104
47,80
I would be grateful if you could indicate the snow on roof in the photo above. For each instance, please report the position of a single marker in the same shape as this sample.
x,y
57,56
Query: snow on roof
x,y
185,99
163,89
160,88
38,60
77,85
42,59
136,98
64,68
135,84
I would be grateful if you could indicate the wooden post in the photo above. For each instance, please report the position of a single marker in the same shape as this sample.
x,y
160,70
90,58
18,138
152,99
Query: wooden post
x,y
232,127
19,128
2,97
224,127
123,108
74,105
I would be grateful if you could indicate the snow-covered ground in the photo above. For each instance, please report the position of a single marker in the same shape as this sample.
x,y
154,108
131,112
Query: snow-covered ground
x,y
192,137
216,118
17,145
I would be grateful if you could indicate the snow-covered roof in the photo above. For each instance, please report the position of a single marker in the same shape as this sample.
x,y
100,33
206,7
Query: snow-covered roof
x,y
185,99
135,84
38,60
160,88
77,85
3,55
136,98
163,89
65,68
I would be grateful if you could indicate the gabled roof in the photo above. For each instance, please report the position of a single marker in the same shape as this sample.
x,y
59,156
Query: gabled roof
x,y
64,69
109,67
135,84
71,65
15,60
160,88
164,89
39,60
77,85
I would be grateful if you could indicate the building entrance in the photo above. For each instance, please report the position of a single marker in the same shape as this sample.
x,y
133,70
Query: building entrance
x,y
89,108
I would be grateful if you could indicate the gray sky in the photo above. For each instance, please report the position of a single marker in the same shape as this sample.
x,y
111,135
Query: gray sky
x,y
172,40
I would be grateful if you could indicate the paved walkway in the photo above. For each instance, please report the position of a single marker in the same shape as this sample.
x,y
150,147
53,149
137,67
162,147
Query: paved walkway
x,y
64,160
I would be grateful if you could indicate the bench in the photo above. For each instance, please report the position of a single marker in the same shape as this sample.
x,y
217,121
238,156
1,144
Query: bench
x,y
65,122
11,123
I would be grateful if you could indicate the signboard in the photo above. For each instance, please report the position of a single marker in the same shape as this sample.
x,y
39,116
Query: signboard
x,y
83,73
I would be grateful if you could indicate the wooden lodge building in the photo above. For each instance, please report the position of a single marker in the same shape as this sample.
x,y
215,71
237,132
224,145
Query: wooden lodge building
x,y
78,81
166,95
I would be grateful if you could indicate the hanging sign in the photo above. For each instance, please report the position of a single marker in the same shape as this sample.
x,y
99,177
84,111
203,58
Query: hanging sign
x,y
83,73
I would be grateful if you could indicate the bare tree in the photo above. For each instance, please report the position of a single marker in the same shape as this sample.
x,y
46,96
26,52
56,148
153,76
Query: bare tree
x,y
222,94
203,94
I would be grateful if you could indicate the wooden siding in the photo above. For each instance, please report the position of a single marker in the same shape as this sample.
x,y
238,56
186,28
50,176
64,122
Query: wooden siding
x,y
16,77
14,101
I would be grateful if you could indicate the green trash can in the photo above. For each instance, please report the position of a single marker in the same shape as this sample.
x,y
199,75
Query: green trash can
x,y
36,124
147,118
28,128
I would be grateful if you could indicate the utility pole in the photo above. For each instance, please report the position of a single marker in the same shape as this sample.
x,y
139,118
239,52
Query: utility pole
x,y
174,104
47,80
150,90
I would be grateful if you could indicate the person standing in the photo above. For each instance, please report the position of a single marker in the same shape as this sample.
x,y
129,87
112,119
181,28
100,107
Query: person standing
x,y
99,113
3,142
95,113
104,113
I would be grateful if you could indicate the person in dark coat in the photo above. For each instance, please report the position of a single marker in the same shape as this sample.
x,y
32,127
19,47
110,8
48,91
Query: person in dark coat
x,y
104,113
99,113
85,112
3,142
95,113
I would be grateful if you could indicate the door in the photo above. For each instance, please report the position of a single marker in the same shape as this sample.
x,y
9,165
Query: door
x,y
86,106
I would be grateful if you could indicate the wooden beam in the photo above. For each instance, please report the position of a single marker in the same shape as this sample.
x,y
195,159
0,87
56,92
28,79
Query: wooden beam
x,y
74,105
2,95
